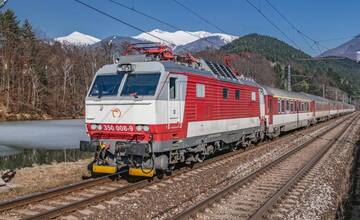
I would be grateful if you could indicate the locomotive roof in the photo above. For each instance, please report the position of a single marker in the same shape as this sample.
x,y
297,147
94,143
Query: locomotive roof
x,y
205,71
208,68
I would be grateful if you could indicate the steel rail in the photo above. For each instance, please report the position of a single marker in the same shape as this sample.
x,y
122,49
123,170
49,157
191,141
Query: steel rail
x,y
58,211
259,214
198,207
25,200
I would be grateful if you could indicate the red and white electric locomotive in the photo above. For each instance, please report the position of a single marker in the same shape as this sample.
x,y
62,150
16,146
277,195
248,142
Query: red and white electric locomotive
x,y
151,111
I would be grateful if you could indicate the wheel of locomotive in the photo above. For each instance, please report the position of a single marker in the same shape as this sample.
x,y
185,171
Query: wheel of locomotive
x,y
199,157
170,169
160,174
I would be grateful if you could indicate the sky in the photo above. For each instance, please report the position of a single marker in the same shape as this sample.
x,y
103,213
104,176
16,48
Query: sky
x,y
321,20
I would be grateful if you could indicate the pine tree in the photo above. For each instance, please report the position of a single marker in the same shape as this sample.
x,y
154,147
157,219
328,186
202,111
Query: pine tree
x,y
27,32
9,26
10,34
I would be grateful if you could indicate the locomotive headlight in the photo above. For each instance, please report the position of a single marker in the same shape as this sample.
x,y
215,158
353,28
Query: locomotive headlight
x,y
126,68
138,127
146,128
93,126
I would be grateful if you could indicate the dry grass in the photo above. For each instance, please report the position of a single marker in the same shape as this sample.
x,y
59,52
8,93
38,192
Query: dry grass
x,y
40,178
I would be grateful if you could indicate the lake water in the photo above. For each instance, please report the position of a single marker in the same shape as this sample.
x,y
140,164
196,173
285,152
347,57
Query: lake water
x,y
23,143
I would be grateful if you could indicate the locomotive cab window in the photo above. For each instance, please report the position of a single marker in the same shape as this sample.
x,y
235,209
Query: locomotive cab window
x,y
141,84
172,88
106,85
225,93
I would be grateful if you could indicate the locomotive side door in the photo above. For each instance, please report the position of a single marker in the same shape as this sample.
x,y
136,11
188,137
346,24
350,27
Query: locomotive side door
x,y
262,105
270,110
174,102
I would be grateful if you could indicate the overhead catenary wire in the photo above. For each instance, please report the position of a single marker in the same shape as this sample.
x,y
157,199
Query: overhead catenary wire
x,y
316,43
120,20
143,14
158,20
296,29
200,17
273,24
154,18
303,35
338,38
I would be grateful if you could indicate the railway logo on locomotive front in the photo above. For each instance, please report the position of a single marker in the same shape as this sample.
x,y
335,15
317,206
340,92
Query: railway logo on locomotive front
x,y
116,113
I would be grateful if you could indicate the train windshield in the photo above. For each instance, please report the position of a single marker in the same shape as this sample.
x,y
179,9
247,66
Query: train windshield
x,y
141,84
106,85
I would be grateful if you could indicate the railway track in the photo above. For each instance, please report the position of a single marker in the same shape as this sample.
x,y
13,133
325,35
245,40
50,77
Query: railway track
x,y
60,201
75,196
252,196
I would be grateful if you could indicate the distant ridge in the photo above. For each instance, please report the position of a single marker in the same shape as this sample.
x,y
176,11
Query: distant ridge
x,y
347,49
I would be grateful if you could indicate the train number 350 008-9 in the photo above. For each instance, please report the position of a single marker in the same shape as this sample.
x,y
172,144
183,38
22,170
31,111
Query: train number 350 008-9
x,y
118,128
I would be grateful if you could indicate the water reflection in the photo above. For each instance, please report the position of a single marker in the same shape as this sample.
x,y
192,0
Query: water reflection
x,y
25,143
29,157
7,151
52,134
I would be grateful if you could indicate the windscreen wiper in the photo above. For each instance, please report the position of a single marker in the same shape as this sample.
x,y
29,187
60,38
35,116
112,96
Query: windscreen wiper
x,y
102,86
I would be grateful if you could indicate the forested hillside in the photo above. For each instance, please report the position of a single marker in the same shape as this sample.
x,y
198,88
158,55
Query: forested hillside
x,y
341,73
40,78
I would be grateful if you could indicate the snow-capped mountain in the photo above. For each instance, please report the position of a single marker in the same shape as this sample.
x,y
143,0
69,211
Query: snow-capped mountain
x,y
179,38
77,38
180,41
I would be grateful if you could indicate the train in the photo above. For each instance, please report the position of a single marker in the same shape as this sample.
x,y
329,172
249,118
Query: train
x,y
150,111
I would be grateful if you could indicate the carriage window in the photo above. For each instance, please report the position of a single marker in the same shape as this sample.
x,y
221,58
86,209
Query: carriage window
x,y
141,84
282,105
106,85
172,87
200,90
279,105
225,93
287,105
237,94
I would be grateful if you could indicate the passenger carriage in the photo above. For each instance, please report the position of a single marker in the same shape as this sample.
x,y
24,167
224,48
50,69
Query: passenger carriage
x,y
287,110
